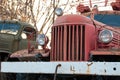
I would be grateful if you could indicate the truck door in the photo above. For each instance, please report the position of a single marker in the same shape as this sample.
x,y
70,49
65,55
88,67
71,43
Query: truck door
x,y
28,37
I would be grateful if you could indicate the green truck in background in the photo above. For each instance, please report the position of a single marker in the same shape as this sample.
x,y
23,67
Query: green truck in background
x,y
14,36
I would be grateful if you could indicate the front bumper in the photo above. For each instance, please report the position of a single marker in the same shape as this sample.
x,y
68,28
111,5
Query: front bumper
x,y
81,68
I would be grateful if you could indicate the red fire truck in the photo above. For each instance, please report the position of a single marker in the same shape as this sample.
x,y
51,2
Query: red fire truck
x,y
83,47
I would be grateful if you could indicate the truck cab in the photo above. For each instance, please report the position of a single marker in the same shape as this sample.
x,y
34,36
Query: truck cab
x,y
14,36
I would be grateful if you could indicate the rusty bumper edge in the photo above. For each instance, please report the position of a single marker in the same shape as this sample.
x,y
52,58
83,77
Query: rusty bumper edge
x,y
117,53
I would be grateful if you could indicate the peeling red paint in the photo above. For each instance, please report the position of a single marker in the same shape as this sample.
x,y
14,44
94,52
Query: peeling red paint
x,y
105,52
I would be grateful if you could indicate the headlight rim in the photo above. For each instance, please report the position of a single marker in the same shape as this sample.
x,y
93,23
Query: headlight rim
x,y
39,37
59,10
101,32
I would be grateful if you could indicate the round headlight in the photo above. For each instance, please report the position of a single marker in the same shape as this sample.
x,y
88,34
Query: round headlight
x,y
41,39
58,11
105,36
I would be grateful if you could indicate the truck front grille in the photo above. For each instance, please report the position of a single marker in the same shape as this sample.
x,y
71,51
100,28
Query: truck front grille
x,y
4,45
68,43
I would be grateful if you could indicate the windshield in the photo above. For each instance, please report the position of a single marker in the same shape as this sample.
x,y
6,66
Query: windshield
x,y
109,19
9,28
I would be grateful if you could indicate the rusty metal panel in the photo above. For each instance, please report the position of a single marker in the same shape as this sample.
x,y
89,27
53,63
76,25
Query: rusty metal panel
x,y
116,40
105,52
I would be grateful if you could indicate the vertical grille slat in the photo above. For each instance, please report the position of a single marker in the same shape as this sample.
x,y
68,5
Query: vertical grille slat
x,y
61,44
58,44
77,43
65,43
61,41
73,34
68,42
55,43
81,43
52,45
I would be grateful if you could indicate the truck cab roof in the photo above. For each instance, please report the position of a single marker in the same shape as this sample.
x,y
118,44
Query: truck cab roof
x,y
19,22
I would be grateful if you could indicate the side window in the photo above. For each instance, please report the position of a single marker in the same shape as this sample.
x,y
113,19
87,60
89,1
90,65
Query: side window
x,y
29,33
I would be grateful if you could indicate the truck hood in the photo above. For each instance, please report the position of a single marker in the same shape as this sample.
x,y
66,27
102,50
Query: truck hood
x,y
24,55
72,19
